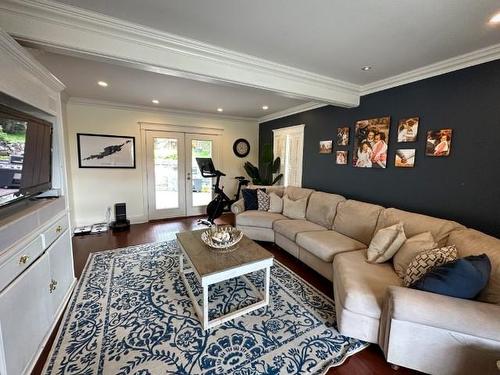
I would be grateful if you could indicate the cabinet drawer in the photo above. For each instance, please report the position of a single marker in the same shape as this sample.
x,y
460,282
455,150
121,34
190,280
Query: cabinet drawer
x,y
20,261
54,231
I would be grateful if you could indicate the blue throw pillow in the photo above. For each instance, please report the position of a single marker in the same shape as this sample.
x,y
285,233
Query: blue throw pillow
x,y
462,278
250,199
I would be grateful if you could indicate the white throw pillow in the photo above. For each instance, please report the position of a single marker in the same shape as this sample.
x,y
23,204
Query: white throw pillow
x,y
275,203
410,249
386,243
294,209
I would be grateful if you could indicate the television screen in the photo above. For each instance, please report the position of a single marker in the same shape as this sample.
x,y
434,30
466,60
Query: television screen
x,y
25,155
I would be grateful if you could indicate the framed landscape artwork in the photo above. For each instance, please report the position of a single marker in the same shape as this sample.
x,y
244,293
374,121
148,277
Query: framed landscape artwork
x,y
325,147
370,143
105,151
408,129
405,158
438,142
342,136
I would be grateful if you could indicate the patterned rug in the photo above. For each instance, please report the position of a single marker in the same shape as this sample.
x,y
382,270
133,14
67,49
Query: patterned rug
x,y
130,314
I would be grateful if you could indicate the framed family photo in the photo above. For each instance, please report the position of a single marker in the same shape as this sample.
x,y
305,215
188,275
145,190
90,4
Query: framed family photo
x,y
341,157
438,142
370,143
105,151
408,129
405,158
325,147
342,136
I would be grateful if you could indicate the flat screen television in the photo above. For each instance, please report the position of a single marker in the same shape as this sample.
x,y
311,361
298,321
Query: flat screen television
x,y
25,155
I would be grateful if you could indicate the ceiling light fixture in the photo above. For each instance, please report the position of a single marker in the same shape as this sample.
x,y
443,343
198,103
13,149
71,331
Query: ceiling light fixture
x,y
366,68
265,107
155,101
102,84
495,19
220,109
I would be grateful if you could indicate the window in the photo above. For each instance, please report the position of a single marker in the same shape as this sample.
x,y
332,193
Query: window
x,y
288,144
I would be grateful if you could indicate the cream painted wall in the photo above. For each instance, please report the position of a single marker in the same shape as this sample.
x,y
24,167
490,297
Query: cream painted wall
x,y
93,190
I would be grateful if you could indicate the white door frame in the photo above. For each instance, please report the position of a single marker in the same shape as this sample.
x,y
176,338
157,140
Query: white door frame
x,y
152,126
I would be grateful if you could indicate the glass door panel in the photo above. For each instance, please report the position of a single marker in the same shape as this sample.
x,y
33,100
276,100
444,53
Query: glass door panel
x,y
200,189
166,174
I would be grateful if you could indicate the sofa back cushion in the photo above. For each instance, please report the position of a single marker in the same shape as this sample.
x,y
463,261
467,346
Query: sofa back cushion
x,y
295,193
417,223
472,242
322,208
277,189
357,219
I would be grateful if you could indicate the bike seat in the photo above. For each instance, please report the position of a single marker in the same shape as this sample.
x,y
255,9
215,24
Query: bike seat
x,y
239,178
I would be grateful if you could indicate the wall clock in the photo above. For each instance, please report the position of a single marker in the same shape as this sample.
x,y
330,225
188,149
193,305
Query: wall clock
x,y
241,147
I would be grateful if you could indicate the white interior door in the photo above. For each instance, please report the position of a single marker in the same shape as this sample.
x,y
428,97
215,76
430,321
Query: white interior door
x,y
175,185
165,158
199,190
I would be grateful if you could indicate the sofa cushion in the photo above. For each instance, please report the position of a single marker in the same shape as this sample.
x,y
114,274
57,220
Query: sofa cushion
x,y
462,278
418,223
294,209
386,243
290,228
250,199
259,219
295,193
277,189
357,220
410,249
263,200
275,203
326,244
362,286
473,242
322,208
427,260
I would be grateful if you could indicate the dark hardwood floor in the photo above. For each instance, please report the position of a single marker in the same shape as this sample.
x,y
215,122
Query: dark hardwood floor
x,y
369,361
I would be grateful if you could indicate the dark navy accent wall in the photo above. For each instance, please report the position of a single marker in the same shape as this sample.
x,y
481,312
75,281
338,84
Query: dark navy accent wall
x,y
464,186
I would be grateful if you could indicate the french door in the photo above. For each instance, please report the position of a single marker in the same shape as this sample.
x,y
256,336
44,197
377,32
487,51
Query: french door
x,y
175,185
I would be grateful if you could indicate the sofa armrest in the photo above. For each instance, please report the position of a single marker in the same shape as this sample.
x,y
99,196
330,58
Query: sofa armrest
x,y
238,207
454,314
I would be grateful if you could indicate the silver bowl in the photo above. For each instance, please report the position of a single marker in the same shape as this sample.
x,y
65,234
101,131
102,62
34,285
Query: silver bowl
x,y
221,236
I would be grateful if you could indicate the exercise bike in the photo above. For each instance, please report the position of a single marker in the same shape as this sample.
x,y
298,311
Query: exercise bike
x,y
221,202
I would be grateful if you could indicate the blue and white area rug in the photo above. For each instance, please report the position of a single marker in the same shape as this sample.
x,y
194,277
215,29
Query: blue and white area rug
x,y
130,314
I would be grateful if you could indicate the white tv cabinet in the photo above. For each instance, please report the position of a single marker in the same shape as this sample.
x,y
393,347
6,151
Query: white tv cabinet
x,y
36,262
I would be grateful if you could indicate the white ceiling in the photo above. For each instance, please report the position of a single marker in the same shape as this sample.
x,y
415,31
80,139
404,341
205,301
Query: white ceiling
x,y
334,38
138,87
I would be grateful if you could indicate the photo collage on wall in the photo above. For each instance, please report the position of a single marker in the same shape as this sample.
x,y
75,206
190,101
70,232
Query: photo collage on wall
x,y
371,139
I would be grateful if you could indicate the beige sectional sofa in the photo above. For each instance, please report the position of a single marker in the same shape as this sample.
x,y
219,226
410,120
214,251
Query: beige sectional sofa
x,y
419,330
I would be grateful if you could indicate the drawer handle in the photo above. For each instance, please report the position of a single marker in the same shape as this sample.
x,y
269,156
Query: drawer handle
x,y
58,229
24,259
52,285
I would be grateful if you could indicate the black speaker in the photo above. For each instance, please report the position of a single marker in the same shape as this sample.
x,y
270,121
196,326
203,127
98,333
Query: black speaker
x,y
120,212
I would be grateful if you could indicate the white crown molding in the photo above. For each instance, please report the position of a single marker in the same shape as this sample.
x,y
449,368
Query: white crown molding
x,y
23,58
143,108
291,111
445,66
79,31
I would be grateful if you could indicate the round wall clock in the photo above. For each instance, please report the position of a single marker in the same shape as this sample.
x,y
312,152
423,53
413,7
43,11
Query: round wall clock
x,y
241,147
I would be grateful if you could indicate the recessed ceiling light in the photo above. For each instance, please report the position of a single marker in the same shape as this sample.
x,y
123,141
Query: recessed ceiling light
x,y
155,101
495,19
265,107
220,110
366,68
102,84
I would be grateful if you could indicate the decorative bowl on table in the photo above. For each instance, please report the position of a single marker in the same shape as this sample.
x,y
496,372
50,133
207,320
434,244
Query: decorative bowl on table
x,y
221,237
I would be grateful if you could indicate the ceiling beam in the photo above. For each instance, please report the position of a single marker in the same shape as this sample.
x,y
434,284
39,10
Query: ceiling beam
x,y
80,32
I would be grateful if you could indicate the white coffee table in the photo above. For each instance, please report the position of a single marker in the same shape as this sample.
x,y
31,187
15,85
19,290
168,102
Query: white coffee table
x,y
211,267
